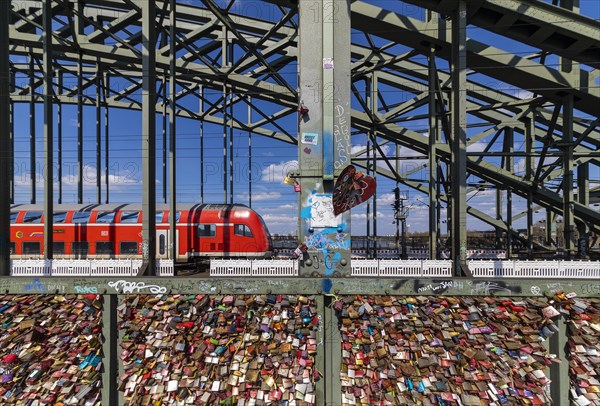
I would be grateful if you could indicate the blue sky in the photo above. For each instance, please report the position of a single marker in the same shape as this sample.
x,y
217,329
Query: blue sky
x,y
275,201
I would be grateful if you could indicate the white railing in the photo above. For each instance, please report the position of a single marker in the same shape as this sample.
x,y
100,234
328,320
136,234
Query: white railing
x,y
31,267
360,267
535,269
82,267
274,267
415,253
258,267
398,267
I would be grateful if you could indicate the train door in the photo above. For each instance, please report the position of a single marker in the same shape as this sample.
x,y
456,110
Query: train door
x,y
163,244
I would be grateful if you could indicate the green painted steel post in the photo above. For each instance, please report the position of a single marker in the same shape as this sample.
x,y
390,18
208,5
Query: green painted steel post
x,y
5,147
332,342
48,132
559,373
459,139
324,134
109,347
148,135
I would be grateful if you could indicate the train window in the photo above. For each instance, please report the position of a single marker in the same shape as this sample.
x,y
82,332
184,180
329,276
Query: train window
x,y
177,216
32,217
31,248
80,248
58,248
242,229
207,230
104,248
13,216
130,216
129,247
13,248
162,244
159,217
81,217
105,217
59,217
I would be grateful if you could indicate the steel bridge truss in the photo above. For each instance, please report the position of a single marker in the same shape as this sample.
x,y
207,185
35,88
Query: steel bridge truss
x,y
521,125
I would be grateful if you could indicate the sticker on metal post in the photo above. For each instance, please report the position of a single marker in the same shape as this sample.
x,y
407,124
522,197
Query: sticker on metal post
x,y
321,211
310,138
327,63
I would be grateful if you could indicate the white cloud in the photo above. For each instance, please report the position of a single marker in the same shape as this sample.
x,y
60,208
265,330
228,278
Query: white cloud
x,y
275,173
261,196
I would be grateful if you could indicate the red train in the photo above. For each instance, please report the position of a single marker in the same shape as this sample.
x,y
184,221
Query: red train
x,y
115,231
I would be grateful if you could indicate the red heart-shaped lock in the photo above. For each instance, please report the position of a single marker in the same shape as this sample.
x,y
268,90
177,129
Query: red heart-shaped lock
x,y
351,189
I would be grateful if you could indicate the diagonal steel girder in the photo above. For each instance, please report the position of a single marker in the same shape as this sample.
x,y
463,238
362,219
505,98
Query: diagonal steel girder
x,y
478,214
483,170
483,58
201,74
478,95
537,23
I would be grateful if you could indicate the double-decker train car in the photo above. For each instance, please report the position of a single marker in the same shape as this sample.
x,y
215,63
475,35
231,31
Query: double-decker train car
x,y
115,231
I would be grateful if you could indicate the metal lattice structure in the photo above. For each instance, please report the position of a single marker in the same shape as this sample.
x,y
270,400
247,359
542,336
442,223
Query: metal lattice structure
x,y
403,67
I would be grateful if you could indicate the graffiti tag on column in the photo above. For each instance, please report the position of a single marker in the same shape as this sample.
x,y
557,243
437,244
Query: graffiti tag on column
x,y
341,133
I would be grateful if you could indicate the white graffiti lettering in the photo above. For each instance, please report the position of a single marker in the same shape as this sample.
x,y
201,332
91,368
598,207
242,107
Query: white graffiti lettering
x,y
122,286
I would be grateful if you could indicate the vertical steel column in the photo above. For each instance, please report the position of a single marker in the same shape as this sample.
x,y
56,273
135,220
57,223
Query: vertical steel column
x,y
321,359
459,139
529,172
499,210
32,142
164,137
559,373
79,129
549,226
583,197
148,8
509,162
231,98
375,237
224,55
110,331
106,85
331,345
79,29
173,131
11,149
224,143
48,131
5,142
374,109
368,96
567,141
98,136
324,133
249,152
201,94
433,167
59,135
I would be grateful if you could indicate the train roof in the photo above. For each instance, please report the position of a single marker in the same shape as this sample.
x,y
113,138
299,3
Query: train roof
x,y
128,207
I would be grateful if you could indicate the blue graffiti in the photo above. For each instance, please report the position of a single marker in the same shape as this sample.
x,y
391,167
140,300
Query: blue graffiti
x,y
327,285
305,212
331,262
36,285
